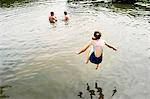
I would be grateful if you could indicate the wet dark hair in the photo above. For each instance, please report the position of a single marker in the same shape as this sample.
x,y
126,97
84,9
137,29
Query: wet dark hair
x,y
97,35
65,12
52,13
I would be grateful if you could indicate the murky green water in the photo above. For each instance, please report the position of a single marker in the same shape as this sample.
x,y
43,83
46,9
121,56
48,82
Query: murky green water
x,y
38,59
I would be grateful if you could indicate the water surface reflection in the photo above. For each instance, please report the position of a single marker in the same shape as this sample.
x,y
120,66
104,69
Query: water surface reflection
x,y
38,59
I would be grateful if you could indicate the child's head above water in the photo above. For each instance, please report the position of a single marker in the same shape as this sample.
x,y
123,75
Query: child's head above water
x,y
52,13
65,13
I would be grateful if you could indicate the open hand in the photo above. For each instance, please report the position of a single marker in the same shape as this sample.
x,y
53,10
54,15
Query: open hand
x,y
77,52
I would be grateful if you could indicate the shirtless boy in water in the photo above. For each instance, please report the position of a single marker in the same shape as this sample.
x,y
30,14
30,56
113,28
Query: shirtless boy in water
x,y
52,18
66,17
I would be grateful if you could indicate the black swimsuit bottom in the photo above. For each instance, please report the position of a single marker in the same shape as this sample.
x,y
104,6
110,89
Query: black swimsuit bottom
x,y
94,59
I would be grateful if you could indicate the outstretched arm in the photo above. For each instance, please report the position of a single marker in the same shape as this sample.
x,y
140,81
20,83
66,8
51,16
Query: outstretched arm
x,y
85,48
110,46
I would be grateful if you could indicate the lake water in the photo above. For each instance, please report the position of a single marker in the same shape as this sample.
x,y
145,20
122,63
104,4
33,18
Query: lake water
x,y
38,59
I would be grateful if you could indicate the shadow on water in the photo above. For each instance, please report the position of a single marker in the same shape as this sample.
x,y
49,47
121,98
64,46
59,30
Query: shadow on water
x,y
2,91
123,6
12,3
97,92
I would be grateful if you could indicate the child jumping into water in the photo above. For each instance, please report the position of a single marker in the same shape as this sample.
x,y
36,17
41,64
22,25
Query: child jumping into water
x,y
96,53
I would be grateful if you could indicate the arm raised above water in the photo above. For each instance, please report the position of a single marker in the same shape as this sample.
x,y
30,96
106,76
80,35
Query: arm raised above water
x,y
85,47
108,45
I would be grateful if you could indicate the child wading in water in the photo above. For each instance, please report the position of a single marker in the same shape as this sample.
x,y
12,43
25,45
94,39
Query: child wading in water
x,y
52,18
96,53
66,17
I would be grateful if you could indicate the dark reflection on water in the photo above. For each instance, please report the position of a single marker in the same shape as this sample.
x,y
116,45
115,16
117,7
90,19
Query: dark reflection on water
x,y
131,9
2,91
11,3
